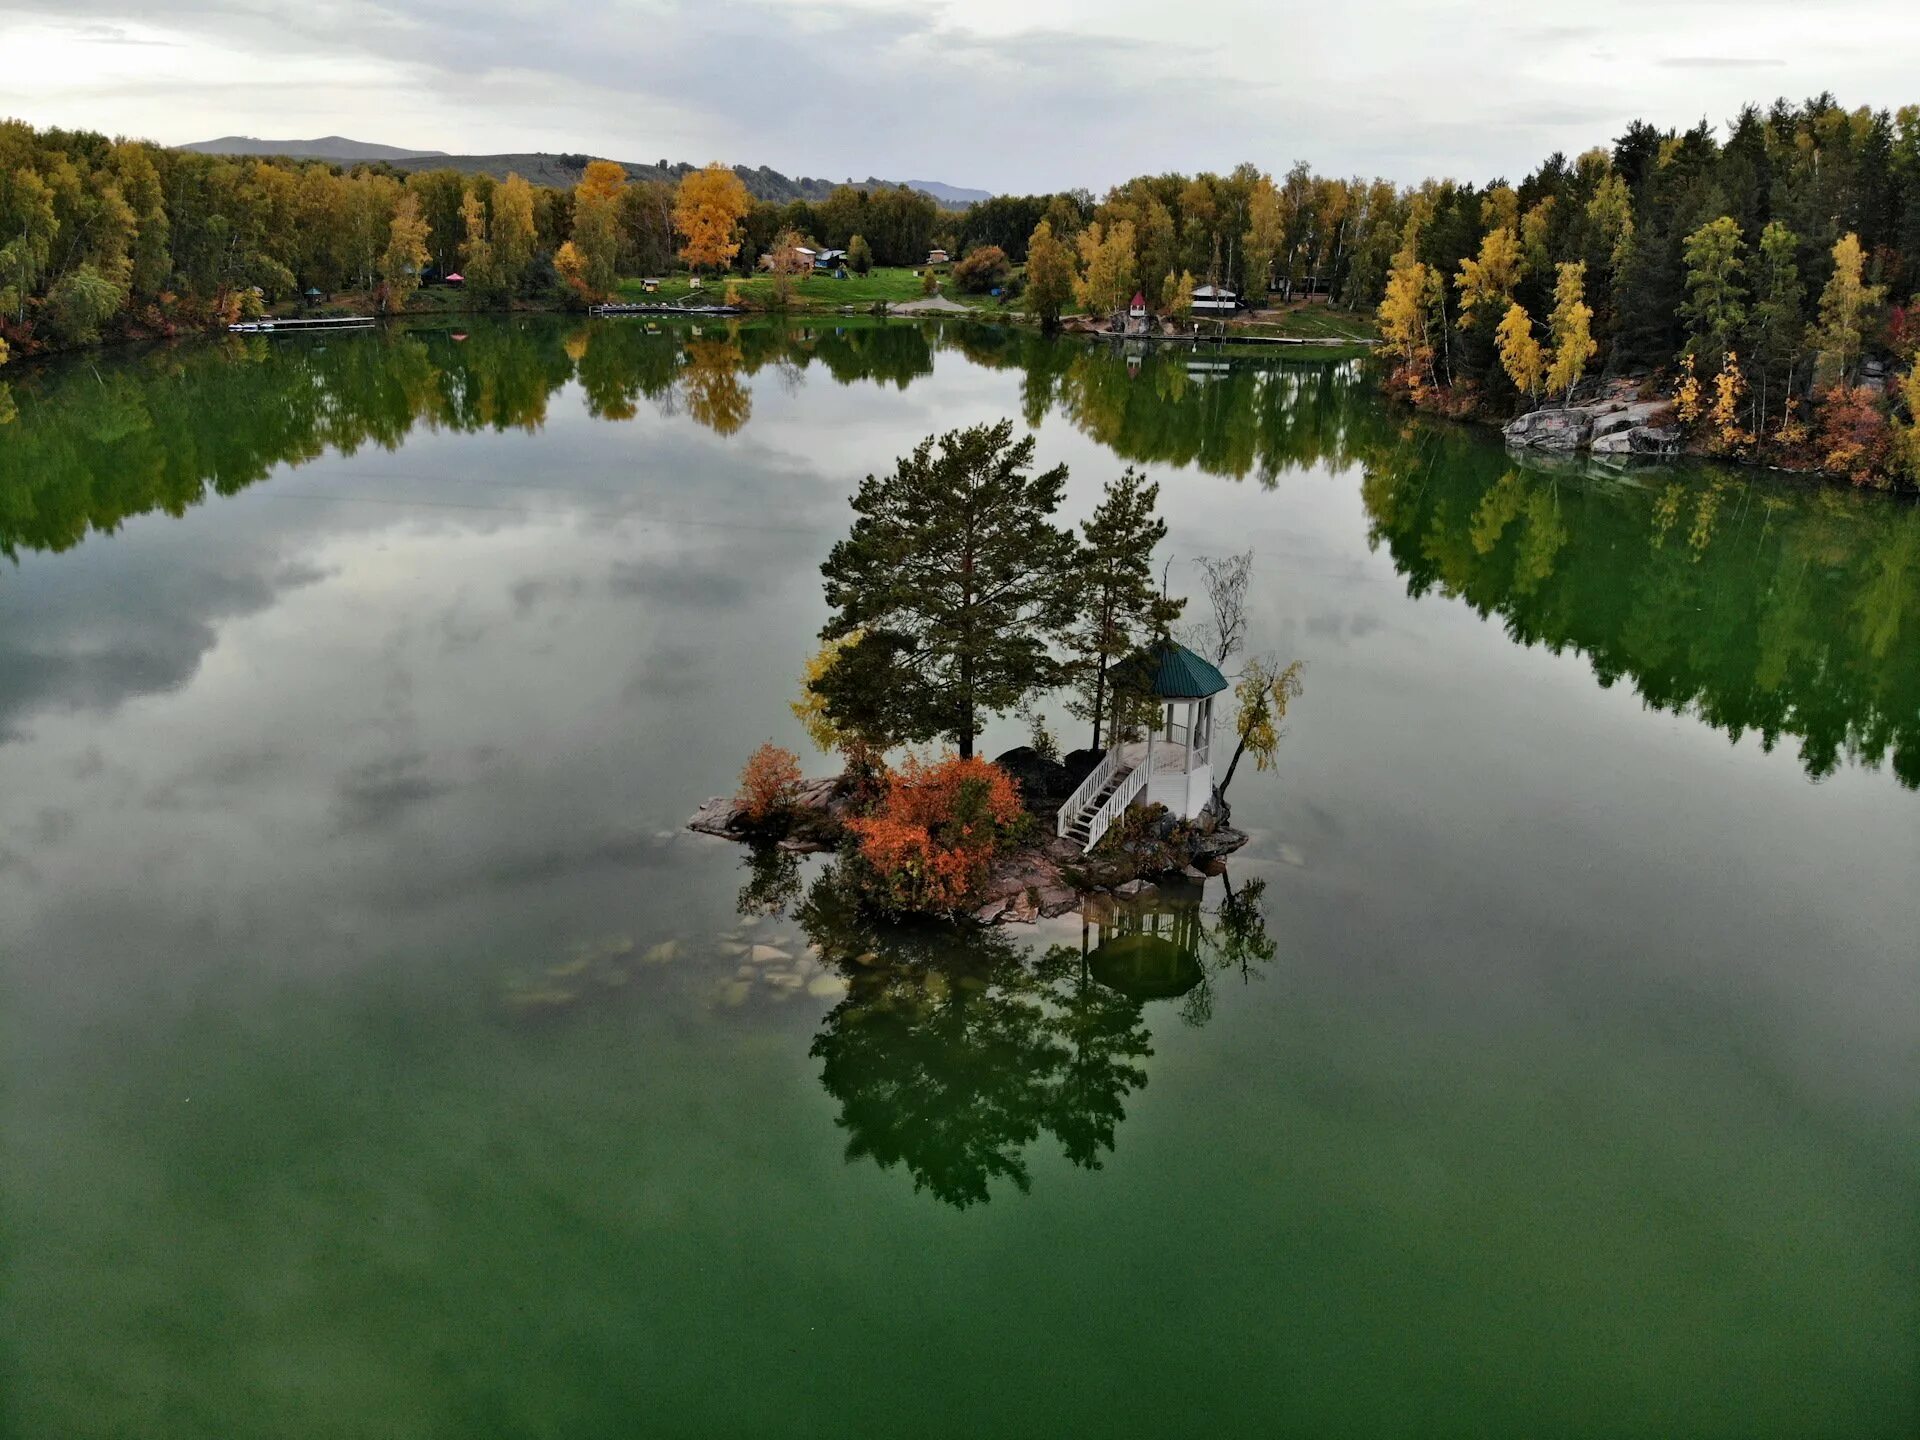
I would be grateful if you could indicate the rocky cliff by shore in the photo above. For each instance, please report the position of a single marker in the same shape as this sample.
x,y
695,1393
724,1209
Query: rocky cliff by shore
x,y
1615,423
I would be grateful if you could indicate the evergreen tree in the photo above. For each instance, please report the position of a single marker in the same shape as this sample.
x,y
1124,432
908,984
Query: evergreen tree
x,y
1773,336
1716,303
957,579
1119,607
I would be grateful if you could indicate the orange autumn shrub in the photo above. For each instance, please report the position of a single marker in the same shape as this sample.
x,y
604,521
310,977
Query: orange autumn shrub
x,y
931,841
768,782
1851,435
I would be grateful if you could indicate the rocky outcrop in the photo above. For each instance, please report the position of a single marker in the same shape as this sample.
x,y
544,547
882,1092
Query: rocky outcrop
x,y
1613,423
1047,879
812,823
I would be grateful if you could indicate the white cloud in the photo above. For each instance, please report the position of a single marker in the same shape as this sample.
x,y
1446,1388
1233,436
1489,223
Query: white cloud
x,y
1009,94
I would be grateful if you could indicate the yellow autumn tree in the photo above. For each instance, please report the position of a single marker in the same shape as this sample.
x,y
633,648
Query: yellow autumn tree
x,y
1906,437
1486,284
1050,274
476,250
406,253
1106,282
596,224
1414,290
707,211
1179,291
1520,353
1844,306
1571,329
1724,433
571,266
514,232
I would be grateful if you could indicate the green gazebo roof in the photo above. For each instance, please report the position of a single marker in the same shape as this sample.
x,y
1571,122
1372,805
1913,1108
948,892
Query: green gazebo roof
x,y
1171,671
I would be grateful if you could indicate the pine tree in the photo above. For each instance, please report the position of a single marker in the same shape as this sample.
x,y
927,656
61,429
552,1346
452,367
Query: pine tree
x,y
1778,322
1716,303
958,579
1119,607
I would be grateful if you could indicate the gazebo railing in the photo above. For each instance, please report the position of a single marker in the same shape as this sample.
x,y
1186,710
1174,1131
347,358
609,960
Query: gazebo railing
x,y
1091,786
1102,819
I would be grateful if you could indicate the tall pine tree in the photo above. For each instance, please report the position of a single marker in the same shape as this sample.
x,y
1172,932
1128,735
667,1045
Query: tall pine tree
x,y
1119,608
957,580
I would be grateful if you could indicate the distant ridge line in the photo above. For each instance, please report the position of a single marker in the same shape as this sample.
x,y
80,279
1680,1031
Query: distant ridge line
x,y
558,169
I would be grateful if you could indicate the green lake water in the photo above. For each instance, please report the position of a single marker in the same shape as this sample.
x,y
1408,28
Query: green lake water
x,y
378,1056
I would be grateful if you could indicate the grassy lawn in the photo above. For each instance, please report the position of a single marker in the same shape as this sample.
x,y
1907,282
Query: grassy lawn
x,y
895,285
1312,322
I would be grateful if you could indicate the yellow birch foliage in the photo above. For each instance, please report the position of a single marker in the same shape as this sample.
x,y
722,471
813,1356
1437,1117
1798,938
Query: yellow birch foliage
x,y
1520,354
1844,306
1412,286
1571,328
1906,438
1723,416
514,233
1106,260
1686,397
406,252
1488,281
707,211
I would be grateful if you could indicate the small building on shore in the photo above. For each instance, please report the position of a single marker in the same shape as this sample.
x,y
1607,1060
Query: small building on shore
x,y
937,256
1214,300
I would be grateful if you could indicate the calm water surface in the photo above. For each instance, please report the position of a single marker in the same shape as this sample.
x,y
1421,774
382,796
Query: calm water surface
x,y
379,1059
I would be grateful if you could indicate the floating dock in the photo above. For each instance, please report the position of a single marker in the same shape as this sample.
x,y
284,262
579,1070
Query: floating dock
x,y
331,322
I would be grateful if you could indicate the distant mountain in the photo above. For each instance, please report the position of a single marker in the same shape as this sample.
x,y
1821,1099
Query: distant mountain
x,y
327,147
561,170
951,195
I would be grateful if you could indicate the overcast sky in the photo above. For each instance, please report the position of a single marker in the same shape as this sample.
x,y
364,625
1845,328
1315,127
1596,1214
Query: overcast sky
x,y
1007,95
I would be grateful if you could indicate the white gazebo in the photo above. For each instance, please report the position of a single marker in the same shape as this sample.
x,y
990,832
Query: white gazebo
x,y
1172,766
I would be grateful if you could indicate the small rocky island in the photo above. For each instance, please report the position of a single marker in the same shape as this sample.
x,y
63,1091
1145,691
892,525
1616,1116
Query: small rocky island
x,y
1047,878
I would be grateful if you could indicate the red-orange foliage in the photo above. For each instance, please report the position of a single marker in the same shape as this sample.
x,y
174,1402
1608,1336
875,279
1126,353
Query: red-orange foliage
x,y
1852,437
932,840
768,782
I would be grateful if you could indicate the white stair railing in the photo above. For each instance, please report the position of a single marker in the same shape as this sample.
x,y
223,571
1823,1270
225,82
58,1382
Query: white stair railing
x,y
1089,787
1102,819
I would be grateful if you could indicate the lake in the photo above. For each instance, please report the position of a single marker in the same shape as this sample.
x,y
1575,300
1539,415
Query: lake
x,y
383,1058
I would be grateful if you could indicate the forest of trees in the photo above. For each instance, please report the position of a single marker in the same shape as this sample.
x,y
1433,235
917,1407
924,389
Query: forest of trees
x,y
103,239
1767,280
1766,276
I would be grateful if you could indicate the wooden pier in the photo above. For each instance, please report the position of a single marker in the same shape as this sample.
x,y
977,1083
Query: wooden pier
x,y
663,308
331,322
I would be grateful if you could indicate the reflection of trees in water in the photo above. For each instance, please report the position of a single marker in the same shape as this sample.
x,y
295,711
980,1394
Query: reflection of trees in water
x,y
1789,610
955,1050
1757,606
711,382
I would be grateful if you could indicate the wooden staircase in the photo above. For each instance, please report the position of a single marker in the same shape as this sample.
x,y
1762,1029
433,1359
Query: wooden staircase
x,y
1085,817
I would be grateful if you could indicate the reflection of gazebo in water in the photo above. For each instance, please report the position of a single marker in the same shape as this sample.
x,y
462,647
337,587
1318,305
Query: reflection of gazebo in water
x,y
1146,950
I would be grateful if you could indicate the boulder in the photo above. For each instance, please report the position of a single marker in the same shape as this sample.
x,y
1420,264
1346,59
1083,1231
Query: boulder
x,y
1216,845
1626,417
1043,782
1079,764
1555,429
